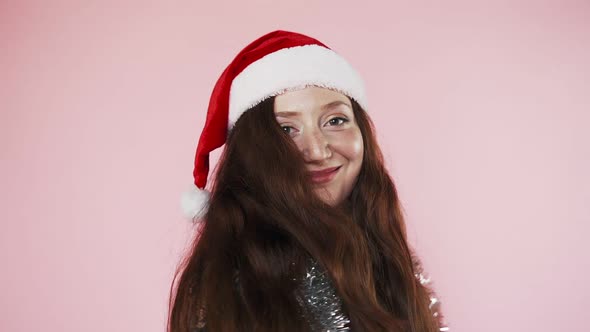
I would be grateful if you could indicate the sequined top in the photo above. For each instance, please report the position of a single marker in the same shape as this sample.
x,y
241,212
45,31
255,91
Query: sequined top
x,y
325,307
320,303
322,307
435,304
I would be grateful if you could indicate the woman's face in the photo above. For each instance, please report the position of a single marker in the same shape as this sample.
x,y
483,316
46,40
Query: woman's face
x,y
322,125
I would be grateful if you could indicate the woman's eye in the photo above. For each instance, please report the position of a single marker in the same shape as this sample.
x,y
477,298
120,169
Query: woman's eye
x,y
337,121
287,129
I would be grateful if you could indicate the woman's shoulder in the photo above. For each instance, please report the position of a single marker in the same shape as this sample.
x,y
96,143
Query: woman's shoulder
x,y
435,304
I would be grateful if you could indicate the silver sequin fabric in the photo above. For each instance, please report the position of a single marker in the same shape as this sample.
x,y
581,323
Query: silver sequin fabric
x,y
435,307
320,303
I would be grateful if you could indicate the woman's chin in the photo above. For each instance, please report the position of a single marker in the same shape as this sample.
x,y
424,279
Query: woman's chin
x,y
328,198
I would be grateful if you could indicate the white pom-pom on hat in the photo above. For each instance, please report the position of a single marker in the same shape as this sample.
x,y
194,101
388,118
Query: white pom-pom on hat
x,y
195,203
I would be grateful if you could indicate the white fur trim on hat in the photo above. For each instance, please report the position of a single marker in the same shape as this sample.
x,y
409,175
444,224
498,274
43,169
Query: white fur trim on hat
x,y
195,203
290,69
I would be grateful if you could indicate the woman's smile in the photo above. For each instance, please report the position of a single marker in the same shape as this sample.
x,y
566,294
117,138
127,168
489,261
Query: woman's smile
x,y
325,175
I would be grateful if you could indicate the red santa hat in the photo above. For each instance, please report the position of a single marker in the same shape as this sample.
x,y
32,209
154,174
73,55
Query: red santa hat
x,y
272,64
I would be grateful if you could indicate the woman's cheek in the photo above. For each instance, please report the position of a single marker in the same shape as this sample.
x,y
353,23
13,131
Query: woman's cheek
x,y
349,143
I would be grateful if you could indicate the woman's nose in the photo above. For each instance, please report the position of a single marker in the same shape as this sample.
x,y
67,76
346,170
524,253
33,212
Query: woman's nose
x,y
315,147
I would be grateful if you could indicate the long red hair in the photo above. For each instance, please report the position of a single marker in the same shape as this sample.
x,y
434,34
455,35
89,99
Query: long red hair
x,y
264,222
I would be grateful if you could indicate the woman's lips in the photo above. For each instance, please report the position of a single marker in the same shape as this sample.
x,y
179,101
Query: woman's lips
x,y
325,175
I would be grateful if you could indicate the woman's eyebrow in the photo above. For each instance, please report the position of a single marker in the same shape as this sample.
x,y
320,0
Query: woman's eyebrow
x,y
287,114
334,104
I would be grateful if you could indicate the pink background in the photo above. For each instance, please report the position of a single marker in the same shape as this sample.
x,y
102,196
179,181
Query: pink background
x,y
483,112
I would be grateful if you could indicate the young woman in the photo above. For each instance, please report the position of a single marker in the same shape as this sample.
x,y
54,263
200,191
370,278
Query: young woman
x,y
303,229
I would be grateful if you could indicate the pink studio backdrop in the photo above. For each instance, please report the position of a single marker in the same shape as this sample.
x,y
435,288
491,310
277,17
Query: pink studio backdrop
x,y
482,111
